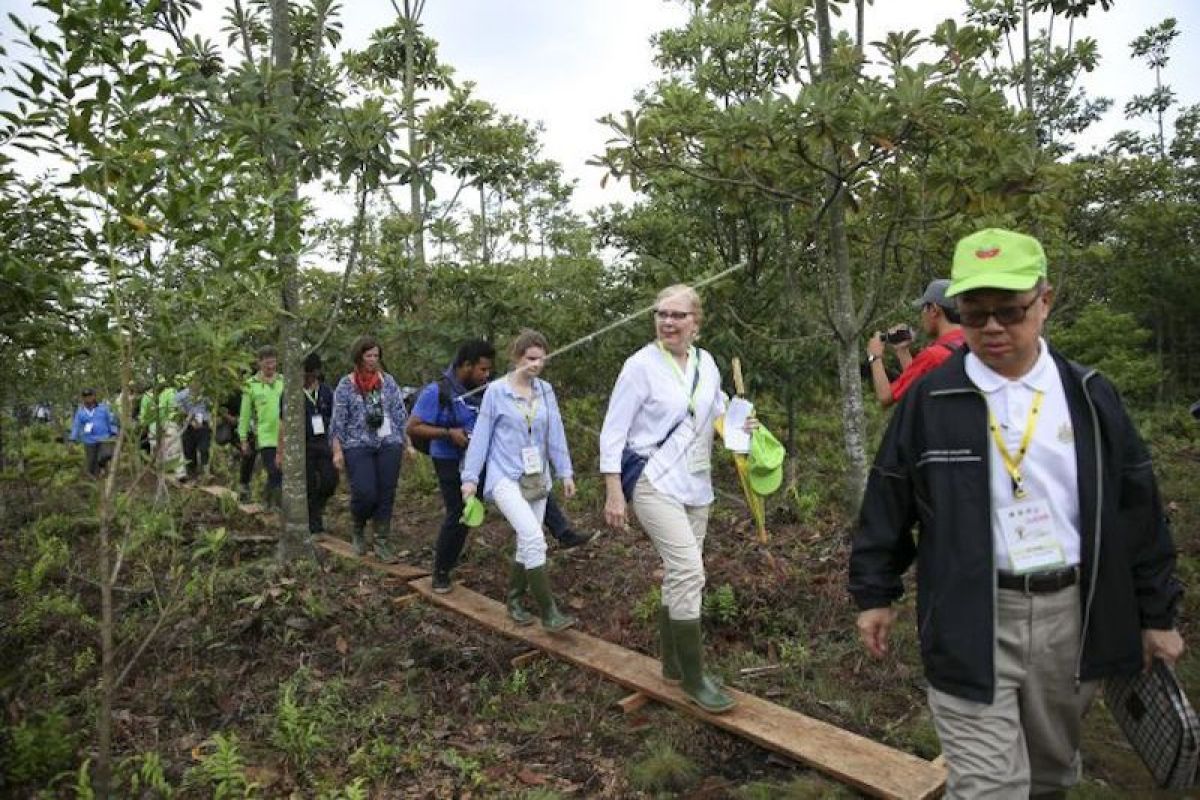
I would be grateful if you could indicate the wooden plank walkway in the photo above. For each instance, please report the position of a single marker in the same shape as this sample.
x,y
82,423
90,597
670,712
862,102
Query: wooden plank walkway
x,y
871,767
874,768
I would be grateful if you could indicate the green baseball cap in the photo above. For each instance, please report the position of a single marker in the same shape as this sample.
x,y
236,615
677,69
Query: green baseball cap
x,y
996,259
765,472
473,510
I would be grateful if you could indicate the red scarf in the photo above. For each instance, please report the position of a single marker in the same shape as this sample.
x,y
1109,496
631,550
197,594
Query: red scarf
x,y
365,381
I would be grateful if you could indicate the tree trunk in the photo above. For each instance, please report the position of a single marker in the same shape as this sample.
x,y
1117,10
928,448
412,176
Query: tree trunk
x,y
841,299
415,189
286,243
1027,69
483,228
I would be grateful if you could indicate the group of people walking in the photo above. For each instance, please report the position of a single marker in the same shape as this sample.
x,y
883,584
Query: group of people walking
x,y
1012,476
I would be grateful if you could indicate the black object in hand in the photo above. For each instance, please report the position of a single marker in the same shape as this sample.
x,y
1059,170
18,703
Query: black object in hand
x,y
897,336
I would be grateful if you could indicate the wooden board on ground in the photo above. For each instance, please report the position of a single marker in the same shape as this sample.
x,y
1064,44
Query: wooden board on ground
x,y
342,548
874,768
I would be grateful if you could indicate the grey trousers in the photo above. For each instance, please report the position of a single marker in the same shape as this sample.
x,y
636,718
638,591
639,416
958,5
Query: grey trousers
x,y
1027,741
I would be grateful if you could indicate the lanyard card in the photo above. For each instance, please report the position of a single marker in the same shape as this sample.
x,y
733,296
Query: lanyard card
x,y
1028,530
531,460
318,425
385,429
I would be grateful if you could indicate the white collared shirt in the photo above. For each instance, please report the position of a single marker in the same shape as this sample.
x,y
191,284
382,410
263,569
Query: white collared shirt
x,y
1048,469
646,401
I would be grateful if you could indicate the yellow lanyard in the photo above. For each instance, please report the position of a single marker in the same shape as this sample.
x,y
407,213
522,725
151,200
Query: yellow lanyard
x,y
529,410
1012,464
682,378
312,398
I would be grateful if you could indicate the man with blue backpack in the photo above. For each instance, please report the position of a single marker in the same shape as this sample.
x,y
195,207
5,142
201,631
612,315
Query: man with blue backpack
x,y
440,426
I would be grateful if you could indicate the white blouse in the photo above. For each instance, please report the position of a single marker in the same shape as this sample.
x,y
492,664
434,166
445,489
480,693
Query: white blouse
x,y
650,396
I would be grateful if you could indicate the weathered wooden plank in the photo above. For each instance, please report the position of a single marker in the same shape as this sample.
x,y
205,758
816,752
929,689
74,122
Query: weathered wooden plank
x,y
871,767
342,548
633,702
522,659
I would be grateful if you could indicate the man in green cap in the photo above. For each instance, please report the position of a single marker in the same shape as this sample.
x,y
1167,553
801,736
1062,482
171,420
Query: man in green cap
x,y
1044,558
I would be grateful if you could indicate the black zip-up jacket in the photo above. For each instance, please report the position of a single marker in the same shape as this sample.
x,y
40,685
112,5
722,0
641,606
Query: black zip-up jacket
x,y
931,472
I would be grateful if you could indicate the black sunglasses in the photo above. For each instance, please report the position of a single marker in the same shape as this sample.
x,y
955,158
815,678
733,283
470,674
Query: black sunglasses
x,y
1005,315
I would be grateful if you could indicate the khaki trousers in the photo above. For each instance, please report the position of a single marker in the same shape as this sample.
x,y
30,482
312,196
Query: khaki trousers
x,y
1027,741
677,532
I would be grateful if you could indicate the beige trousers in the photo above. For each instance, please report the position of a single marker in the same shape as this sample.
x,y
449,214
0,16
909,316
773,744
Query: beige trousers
x,y
1027,741
677,532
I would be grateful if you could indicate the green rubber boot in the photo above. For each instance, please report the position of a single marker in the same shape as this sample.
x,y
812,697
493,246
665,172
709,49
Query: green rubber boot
x,y
539,585
699,688
517,584
670,659
383,545
358,537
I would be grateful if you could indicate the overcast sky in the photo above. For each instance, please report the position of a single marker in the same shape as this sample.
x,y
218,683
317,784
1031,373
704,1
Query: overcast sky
x,y
567,62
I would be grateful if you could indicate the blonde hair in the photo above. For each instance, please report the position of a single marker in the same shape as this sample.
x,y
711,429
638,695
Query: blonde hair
x,y
687,293
524,340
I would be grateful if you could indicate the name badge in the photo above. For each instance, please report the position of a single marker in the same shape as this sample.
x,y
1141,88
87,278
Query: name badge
x,y
318,425
699,455
386,428
1028,530
87,427
531,458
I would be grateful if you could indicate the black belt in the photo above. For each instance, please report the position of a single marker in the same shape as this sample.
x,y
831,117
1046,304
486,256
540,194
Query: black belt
x,y
1039,582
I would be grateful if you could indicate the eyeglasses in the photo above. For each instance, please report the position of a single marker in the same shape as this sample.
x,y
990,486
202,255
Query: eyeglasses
x,y
1005,315
674,316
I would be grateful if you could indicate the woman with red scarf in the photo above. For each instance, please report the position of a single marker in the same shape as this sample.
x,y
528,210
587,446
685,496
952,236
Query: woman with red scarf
x,y
367,435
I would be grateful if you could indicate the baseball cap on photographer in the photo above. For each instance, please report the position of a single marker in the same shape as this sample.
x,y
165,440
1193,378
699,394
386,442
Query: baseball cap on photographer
x,y
994,258
935,293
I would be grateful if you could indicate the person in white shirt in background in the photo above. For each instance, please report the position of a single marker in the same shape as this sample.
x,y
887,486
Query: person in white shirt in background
x,y
662,410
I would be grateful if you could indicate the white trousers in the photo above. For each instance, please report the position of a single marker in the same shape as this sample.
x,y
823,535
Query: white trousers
x,y
526,520
677,532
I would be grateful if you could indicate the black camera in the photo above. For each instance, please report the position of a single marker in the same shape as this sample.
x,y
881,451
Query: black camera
x,y
897,336
374,408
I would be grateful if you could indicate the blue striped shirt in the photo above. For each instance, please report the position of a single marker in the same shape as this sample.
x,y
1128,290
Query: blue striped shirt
x,y
502,432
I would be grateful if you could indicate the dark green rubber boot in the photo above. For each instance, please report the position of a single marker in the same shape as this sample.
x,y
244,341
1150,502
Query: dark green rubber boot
x,y
516,591
539,585
383,545
670,660
358,537
699,688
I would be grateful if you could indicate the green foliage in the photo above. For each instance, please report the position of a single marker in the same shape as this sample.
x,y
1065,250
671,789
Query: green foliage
x,y
470,771
720,605
1113,343
663,769
306,717
146,775
646,609
355,790
223,771
40,747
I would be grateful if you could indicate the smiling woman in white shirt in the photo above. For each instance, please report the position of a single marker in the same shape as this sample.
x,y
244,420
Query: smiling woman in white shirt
x,y
518,437
656,454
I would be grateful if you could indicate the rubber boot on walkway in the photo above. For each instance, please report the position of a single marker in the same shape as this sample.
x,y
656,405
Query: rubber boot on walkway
x,y
517,584
539,586
670,659
383,545
358,537
699,688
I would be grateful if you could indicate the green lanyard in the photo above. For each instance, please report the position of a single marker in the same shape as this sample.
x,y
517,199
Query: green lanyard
x,y
312,398
682,379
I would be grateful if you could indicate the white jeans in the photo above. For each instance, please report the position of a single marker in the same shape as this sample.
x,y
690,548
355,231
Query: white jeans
x,y
526,520
677,532
172,449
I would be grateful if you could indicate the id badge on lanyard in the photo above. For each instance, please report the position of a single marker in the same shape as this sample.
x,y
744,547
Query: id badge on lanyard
x,y
531,455
385,428
1028,530
318,424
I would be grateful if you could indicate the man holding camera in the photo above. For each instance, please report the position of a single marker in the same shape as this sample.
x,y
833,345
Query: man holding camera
x,y
939,321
